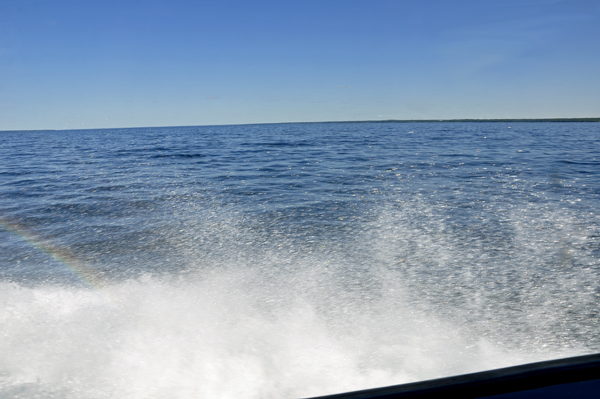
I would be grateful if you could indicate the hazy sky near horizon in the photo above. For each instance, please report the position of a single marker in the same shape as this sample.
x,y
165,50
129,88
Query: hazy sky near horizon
x,y
68,64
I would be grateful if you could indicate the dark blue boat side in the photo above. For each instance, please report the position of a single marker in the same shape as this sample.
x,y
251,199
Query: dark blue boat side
x,y
575,377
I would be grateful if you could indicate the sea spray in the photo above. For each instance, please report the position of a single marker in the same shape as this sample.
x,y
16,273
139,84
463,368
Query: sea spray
x,y
223,335
264,324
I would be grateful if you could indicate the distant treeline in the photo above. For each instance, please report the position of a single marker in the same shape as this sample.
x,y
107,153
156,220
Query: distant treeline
x,y
475,120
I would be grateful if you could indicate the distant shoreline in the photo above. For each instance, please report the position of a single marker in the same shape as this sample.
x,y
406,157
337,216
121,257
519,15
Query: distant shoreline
x,y
365,121
470,120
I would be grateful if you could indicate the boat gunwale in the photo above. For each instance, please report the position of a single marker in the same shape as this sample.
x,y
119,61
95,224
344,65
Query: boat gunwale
x,y
491,382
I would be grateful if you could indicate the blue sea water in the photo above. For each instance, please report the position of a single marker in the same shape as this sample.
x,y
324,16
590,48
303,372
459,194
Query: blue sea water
x,y
292,260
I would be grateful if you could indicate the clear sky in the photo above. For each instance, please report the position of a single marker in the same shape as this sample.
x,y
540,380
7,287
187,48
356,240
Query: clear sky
x,y
67,64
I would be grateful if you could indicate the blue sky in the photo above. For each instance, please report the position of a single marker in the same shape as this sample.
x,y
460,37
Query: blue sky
x,y
68,64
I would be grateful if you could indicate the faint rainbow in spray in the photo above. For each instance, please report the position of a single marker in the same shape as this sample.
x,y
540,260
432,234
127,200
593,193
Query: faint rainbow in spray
x,y
88,276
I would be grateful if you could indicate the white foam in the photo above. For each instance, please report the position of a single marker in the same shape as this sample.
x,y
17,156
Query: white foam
x,y
222,336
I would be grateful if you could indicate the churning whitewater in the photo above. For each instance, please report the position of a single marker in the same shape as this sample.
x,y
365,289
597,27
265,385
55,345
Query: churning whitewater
x,y
289,261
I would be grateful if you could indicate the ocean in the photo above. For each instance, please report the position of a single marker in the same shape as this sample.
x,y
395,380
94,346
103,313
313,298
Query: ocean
x,y
293,260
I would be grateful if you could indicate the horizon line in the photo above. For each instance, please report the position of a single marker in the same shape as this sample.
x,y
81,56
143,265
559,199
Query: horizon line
x,y
492,120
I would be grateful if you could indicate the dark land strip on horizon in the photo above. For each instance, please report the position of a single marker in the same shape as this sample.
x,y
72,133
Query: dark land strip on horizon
x,y
464,120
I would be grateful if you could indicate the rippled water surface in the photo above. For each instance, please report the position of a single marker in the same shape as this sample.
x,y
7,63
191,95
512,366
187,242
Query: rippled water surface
x,y
293,260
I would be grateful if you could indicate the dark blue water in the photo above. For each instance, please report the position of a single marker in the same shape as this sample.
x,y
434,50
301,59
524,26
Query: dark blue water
x,y
295,259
